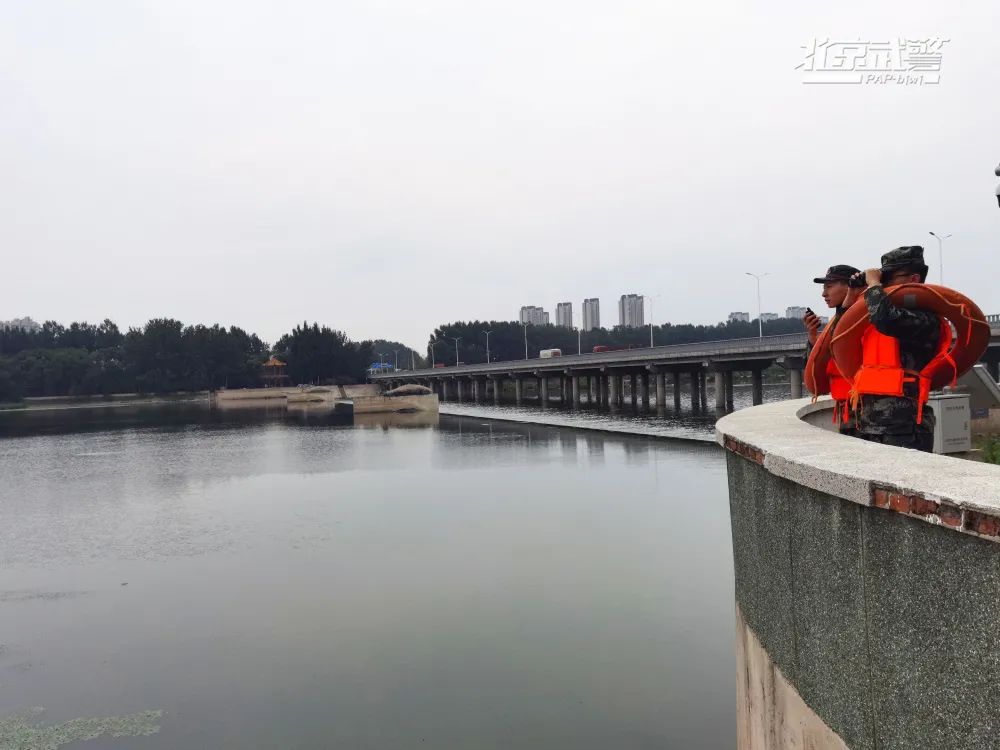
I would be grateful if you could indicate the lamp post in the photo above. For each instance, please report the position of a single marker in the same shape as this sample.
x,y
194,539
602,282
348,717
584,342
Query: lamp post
x,y
760,323
395,364
525,326
431,347
488,344
646,296
940,240
457,339
380,355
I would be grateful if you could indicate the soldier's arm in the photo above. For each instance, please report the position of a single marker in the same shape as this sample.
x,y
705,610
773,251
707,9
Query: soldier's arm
x,y
900,322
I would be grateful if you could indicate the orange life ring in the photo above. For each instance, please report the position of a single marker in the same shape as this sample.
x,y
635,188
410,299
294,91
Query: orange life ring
x,y
815,375
970,342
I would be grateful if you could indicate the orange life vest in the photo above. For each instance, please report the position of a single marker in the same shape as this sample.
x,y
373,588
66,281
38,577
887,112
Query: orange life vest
x,y
882,374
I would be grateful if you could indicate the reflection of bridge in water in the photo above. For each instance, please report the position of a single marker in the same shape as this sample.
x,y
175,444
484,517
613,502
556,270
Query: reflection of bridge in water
x,y
600,378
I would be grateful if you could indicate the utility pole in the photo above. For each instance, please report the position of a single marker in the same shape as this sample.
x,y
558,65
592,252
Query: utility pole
x,y
488,344
457,339
760,323
650,298
940,240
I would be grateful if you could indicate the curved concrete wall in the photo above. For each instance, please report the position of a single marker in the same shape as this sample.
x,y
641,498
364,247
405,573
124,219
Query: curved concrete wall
x,y
867,588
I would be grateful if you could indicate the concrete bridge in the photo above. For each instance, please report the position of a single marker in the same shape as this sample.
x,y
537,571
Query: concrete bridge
x,y
599,378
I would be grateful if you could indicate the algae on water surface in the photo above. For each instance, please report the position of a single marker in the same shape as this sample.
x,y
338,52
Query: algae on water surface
x,y
22,732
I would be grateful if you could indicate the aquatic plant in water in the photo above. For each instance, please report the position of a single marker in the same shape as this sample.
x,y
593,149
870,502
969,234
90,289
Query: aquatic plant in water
x,y
22,732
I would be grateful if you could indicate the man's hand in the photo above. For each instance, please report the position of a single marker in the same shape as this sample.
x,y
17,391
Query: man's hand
x,y
812,323
873,276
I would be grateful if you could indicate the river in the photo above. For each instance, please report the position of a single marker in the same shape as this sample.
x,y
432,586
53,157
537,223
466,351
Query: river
x,y
263,580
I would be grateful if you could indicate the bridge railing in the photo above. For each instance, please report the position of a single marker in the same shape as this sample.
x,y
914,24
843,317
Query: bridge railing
x,y
764,347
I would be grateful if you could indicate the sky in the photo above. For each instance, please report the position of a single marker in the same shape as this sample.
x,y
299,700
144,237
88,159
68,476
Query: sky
x,y
385,167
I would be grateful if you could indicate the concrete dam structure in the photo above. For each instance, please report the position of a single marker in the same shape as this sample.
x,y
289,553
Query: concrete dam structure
x,y
867,588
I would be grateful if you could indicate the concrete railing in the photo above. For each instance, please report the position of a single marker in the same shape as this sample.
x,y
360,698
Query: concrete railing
x,y
867,588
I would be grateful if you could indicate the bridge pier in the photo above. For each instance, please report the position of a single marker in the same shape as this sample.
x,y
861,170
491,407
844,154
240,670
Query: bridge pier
x,y
677,390
591,390
543,391
564,389
497,389
644,389
720,392
518,390
576,390
703,389
729,390
661,389
604,390
459,390
633,390
757,378
795,382
695,390
614,390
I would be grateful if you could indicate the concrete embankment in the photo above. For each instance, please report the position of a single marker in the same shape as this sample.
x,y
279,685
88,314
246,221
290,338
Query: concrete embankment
x,y
867,589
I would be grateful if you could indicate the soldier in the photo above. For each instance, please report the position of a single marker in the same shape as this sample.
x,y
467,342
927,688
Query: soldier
x,y
839,293
892,420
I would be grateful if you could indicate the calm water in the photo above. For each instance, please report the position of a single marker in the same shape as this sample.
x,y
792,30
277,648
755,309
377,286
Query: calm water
x,y
273,581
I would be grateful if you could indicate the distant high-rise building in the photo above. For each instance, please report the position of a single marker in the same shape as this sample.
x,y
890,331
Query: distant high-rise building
x,y
591,313
765,317
25,324
534,315
795,312
564,314
739,317
630,313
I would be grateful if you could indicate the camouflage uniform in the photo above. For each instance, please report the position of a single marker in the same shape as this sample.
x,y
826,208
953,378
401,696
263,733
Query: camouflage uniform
x,y
892,420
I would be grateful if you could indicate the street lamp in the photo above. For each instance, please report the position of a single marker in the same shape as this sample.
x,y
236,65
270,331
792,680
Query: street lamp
x,y
940,240
457,339
760,323
646,296
525,326
380,355
395,366
433,348
488,344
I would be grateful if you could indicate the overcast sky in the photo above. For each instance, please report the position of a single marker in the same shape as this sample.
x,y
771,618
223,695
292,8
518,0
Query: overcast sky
x,y
383,167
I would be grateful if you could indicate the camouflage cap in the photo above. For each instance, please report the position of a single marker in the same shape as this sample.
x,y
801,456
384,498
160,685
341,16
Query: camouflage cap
x,y
908,256
837,273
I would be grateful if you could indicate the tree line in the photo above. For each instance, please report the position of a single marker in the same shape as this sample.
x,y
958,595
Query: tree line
x,y
166,356
507,339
